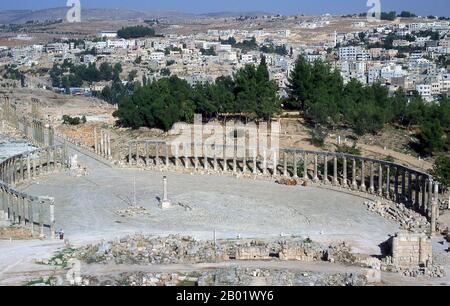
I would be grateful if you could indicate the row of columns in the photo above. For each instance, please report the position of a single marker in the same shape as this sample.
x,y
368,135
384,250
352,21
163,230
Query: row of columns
x,y
32,164
394,182
28,211
102,142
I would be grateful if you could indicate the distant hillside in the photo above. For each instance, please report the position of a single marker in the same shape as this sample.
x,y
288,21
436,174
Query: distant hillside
x,y
233,14
22,16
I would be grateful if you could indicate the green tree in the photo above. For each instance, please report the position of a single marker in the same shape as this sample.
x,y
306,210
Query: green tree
x,y
431,137
441,170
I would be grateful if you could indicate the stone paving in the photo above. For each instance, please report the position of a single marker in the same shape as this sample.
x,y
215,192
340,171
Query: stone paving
x,y
232,207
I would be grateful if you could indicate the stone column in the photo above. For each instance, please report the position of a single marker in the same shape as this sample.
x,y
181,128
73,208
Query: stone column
x,y
30,215
167,155
244,160
95,141
424,185
372,183
396,184
305,167
138,158
205,157
434,209
430,196
335,171
52,218
325,169
186,156
216,163
316,174
354,182
410,200
165,203
388,182
285,168
295,166
417,191
275,162
108,153
363,177
146,154
380,179
264,163
234,160
157,155
255,164
344,183
225,159
130,157
404,185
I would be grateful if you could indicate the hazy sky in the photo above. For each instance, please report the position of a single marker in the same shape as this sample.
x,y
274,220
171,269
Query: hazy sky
x,y
421,7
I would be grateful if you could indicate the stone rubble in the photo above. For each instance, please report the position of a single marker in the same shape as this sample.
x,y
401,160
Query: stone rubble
x,y
433,271
408,219
176,249
132,211
233,276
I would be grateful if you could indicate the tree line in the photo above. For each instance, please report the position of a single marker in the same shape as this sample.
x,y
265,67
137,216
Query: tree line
x,y
248,93
320,94
69,75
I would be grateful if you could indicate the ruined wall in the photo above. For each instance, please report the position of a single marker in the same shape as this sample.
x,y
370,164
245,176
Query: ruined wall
x,y
411,250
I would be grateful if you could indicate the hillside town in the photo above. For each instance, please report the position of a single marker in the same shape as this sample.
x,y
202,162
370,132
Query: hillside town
x,y
412,55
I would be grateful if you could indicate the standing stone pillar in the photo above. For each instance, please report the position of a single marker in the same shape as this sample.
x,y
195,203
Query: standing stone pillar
x,y
95,141
30,215
396,184
157,155
138,157
195,157
372,183
108,153
165,203
410,188
264,163
388,181
52,218
130,157
244,160
354,182
325,169
335,171
205,157
417,191
430,196
404,185
295,166
275,163
216,163
344,182
316,173
255,164
305,167
225,159
380,179
234,160
101,143
285,168
434,209
186,156
167,155
146,155
363,177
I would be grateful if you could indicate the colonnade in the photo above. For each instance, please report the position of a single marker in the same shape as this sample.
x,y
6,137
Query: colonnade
x,y
416,189
22,208
102,142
